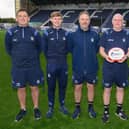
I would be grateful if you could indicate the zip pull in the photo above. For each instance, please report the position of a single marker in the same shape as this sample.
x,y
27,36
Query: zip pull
x,y
57,35
84,40
23,33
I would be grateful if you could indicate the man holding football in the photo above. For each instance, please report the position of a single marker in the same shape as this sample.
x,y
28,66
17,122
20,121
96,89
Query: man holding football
x,y
114,48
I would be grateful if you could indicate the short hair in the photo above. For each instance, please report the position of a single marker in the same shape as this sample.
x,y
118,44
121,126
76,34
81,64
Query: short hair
x,y
84,12
56,14
22,10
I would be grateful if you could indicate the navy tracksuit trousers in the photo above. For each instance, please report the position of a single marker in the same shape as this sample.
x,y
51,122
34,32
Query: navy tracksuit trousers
x,y
56,74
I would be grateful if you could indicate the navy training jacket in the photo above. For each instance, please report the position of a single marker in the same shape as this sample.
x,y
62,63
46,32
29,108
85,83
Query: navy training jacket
x,y
84,47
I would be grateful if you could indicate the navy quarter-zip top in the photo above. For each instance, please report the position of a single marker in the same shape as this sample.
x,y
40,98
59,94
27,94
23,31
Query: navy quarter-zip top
x,y
23,44
54,45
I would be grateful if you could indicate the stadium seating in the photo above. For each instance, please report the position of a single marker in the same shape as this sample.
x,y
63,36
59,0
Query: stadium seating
x,y
41,16
100,14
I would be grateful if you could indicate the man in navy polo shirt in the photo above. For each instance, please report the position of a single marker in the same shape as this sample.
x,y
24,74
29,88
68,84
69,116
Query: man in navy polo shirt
x,y
115,72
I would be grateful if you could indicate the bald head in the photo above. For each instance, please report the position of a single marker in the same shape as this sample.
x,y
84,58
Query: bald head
x,y
117,16
117,22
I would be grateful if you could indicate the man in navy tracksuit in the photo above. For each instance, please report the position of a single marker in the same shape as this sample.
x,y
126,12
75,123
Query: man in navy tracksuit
x,y
83,44
23,44
55,49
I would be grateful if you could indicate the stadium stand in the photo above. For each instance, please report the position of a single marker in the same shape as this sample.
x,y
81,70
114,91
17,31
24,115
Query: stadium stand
x,y
101,11
41,16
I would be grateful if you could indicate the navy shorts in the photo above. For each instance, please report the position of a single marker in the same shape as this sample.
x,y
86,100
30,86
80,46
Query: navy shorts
x,y
115,75
81,78
22,77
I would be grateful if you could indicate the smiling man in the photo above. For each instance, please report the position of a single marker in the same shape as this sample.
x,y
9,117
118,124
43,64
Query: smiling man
x,y
55,49
23,45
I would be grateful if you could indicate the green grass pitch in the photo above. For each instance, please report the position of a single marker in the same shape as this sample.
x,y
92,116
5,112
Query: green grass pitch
x,y
9,105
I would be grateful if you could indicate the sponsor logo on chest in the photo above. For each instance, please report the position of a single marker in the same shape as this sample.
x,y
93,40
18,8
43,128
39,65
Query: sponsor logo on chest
x,y
112,40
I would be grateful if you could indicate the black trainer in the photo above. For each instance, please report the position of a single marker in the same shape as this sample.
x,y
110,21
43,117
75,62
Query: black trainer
x,y
121,114
91,112
76,113
20,115
49,113
37,114
105,117
64,110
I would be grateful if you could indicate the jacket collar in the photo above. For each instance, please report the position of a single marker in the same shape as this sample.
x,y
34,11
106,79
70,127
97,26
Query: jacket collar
x,y
22,26
55,29
80,29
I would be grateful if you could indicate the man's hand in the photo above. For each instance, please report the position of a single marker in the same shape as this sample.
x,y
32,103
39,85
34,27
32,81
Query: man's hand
x,y
123,59
109,60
